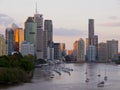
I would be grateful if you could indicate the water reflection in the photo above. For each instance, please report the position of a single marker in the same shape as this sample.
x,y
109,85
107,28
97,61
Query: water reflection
x,y
76,79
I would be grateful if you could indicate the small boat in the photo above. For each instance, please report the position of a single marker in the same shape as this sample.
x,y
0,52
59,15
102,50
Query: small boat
x,y
86,73
105,78
101,84
99,75
51,76
87,80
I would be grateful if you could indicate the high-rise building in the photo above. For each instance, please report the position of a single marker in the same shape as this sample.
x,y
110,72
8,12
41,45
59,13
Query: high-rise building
x,y
3,48
75,49
62,49
92,40
39,20
112,46
48,39
91,31
79,50
91,53
31,31
18,38
57,53
14,39
9,35
96,45
27,48
102,52
50,53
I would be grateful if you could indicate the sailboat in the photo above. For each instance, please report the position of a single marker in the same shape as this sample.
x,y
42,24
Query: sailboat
x,y
105,77
101,83
87,79
99,73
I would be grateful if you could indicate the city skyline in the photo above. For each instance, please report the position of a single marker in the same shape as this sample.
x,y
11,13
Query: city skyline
x,y
105,13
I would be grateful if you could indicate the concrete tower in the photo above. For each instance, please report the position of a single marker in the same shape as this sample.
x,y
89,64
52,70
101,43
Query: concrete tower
x,y
91,31
48,40
39,37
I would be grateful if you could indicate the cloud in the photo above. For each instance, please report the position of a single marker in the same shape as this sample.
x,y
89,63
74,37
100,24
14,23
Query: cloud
x,y
113,17
5,21
110,24
69,32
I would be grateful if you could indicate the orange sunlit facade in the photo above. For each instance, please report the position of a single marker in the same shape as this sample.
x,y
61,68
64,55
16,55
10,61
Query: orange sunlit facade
x,y
70,52
18,38
16,35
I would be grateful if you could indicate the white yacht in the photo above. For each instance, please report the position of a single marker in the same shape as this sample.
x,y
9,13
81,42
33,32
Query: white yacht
x,y
100,84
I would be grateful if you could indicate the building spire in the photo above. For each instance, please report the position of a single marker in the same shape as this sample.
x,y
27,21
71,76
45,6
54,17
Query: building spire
x,y
36,7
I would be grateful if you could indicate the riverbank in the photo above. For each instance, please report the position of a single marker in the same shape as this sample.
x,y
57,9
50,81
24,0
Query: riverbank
x,y
16,69
13,76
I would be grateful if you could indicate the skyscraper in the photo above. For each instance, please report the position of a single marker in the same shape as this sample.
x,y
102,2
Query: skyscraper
x,y
31,31
112,46
91,31
57,53
48,39
96,45
18,38
92,41
9,34
79,50
102,52
62,49
39,20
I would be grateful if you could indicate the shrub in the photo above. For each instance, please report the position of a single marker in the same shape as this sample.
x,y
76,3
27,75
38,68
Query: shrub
x,y
12,75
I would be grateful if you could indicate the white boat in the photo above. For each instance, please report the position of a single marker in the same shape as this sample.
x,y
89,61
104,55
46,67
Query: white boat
x,y
100,84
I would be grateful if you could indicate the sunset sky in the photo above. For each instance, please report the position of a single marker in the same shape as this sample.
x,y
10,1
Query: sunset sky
x,y
70,17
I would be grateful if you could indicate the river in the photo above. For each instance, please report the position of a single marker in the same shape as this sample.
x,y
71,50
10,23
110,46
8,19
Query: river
x,y
76,79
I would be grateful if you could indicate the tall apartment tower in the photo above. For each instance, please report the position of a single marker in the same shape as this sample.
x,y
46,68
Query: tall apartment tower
x,y
103,52
30,31
79,50
112,46
48,39
18,39
39,20
62,49
57,53
96,45
9,35
91,31
92,41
